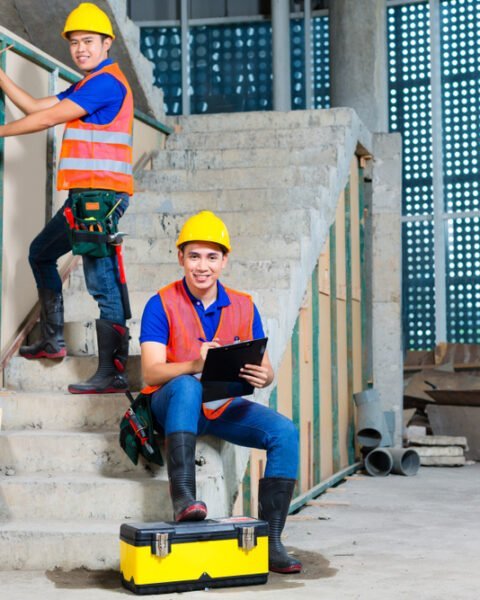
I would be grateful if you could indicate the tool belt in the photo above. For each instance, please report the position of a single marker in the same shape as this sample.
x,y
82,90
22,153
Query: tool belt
x,y
138,434
92,221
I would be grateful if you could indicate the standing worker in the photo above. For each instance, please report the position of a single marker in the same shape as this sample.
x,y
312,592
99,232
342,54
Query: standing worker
x,y
96,168
179,325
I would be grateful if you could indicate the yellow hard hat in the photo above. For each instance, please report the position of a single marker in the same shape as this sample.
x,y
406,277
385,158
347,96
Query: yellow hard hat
x,y
204,227
88,17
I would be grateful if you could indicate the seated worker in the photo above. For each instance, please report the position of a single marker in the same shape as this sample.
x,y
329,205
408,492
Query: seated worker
x,y
175,324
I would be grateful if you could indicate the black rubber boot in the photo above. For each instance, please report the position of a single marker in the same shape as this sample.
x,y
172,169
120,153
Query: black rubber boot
x,y
180,450
274,495
51,344
110,376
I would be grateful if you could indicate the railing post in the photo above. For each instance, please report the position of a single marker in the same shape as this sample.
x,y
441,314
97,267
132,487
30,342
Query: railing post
x,y
3,60
51,153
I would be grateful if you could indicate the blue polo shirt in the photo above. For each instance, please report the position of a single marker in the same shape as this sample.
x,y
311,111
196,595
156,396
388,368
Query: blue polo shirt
x,y
155,328
101,96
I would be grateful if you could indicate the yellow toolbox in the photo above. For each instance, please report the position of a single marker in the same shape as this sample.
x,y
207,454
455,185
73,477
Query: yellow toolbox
x,y
163,557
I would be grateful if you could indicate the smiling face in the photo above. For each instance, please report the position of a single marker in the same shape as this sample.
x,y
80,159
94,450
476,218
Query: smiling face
x,y
203,263
88,49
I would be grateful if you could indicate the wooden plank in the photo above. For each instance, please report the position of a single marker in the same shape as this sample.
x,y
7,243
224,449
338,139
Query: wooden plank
x,y
333,350
296,391
299,501
350,434
316,397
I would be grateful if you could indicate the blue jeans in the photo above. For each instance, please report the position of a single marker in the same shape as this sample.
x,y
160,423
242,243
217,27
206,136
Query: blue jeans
x,y
101,274
177,406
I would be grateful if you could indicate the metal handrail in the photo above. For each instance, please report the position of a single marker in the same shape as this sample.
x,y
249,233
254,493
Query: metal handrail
x,y
69,75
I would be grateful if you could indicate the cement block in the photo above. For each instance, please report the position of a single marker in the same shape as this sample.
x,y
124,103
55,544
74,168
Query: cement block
x,y
442,461
439,451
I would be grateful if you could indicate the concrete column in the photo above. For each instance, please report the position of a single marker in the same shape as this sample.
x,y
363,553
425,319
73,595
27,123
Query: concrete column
x,y
282,97
358,59
386,274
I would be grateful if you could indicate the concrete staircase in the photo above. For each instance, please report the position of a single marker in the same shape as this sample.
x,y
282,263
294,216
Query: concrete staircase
x,y
275,178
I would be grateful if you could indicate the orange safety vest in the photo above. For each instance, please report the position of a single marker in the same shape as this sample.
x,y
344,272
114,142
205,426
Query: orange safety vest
x,y
99,156
236,323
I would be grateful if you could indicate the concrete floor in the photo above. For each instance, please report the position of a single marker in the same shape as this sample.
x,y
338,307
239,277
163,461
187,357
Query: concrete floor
x,y
369,538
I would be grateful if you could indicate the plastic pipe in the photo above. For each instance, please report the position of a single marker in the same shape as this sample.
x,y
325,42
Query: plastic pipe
x,y
379,462
406,461
371,425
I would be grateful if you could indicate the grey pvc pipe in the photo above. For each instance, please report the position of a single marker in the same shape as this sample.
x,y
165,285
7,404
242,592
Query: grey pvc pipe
x,y
379,462
406,461
371,426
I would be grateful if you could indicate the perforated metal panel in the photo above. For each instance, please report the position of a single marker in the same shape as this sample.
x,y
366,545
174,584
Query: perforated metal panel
x,y
410,114
231,68
464,280
231,65
460,35
162,46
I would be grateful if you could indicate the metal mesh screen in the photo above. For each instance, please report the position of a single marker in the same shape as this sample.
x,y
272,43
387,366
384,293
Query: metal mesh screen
x,y
460,33
231,65
410,114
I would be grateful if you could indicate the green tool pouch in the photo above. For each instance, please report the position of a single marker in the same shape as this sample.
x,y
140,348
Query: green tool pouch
x,y
137,431
91,220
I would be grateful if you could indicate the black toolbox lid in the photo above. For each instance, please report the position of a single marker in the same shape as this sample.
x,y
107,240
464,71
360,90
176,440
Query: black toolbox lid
x,y
143,534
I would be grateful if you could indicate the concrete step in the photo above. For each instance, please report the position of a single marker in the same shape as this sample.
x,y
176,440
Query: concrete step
x,y
290,224
258,177
152,251
238,275
246,200
279,138
51,451
294,119
50,544
141,497
81,496
198,159
51,375
61,411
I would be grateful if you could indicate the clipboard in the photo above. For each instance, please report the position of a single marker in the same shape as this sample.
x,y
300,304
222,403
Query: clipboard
x,y
220,372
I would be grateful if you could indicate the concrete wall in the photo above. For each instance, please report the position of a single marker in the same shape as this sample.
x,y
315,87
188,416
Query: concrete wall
x,y
386,274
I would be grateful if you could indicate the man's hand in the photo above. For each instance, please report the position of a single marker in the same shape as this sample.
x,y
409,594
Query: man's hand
x,y
204,348
256,375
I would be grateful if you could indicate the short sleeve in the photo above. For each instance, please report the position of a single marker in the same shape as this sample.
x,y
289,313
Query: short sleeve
x,y
101,97
154,326
257,324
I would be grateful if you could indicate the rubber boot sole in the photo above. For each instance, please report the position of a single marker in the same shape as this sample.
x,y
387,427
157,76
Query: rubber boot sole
x,y
109,390
296,568
194,512
43,354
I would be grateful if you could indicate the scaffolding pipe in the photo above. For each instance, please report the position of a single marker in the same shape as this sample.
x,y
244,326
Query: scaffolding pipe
x,y
282,95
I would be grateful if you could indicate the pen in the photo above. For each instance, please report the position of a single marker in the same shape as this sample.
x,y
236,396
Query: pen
x,y
202,340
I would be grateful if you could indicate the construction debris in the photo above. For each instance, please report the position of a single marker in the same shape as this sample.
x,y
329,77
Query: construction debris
x,y
440,450
442,388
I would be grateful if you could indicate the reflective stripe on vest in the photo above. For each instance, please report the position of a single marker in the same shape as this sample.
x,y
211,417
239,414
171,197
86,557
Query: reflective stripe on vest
x,y
94,164
105,137
236,323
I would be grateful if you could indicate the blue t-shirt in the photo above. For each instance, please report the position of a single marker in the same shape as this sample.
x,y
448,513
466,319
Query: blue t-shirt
x,y
102,96
155,326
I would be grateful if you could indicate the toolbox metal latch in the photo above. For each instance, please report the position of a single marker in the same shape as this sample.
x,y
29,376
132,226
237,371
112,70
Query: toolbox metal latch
x,y
248,538
161,546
